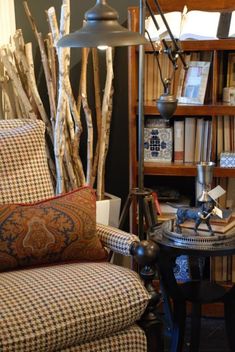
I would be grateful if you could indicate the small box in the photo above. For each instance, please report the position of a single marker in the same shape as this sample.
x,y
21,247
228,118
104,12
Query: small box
x,y
227,159
158,144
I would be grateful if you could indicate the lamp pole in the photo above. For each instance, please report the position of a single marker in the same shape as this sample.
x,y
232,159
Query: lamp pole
x,y
142,10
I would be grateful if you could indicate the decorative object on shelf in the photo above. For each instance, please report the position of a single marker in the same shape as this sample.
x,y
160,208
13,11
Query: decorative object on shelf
x,y
193,83
227,159
158,144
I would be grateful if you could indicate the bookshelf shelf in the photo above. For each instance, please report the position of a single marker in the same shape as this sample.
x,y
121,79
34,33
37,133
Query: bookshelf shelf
x,y
174,169
150,108
203,45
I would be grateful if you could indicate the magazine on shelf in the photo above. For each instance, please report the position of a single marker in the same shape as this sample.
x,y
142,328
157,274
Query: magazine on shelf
x,y
194,24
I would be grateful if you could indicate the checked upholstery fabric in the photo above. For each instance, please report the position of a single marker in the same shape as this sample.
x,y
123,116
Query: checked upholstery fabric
x,y
79,303
130,339
115,239
24,174
76,307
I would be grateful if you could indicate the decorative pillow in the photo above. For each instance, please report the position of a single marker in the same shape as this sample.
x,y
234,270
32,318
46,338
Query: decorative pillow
x,y
24,173
59,229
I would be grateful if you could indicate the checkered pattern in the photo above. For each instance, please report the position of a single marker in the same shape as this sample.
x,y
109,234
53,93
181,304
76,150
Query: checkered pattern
x,y
53,308
24,173
115,239
131,339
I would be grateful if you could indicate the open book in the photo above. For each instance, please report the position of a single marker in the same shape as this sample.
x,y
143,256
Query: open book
x,y
200,25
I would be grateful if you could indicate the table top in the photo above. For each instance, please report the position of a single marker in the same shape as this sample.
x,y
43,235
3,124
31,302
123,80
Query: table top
x,y
202,245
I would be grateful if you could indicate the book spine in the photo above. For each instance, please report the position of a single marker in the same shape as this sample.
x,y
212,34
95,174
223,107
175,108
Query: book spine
x,y
220,136
179,141
199,140
227,135
189,139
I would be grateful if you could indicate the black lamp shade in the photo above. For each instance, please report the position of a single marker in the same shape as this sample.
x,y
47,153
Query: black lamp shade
x,y
101,28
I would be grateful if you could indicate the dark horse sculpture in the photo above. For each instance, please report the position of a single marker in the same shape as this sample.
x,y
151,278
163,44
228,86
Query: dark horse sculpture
x,y
200,214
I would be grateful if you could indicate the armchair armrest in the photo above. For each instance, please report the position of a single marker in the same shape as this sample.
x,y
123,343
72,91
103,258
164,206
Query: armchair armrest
x,y
115,239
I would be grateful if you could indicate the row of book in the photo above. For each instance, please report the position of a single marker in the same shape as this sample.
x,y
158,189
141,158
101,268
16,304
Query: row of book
x,y
189,141
192,140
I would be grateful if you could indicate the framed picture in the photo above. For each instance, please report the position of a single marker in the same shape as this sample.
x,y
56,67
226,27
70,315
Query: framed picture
x,y
231,70
193,83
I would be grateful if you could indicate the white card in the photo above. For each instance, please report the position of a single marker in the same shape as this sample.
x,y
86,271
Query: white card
x,y
218,212
216,192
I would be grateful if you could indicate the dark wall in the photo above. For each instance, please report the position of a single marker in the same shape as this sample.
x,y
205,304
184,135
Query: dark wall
x,y
117,160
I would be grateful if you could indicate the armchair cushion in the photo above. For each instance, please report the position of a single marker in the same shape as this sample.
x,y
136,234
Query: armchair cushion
x,y
55,308
58,229
24,173
132,338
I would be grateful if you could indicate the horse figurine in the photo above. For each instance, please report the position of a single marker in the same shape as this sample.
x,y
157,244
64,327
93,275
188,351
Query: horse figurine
x,y
200,214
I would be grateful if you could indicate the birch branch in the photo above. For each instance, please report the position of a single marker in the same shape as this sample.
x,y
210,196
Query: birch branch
x,y
52,61
77,134
28,66
63,58
105,107
50,88
95,60
14,76
88,115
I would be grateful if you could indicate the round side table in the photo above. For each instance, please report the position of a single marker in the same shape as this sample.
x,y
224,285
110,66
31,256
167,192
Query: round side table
x,y
198,291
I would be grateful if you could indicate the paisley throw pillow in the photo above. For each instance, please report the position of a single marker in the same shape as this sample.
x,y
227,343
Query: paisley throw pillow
x,y
58,229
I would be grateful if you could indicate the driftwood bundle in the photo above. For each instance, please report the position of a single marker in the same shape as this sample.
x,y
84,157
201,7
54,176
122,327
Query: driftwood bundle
x,y
63,122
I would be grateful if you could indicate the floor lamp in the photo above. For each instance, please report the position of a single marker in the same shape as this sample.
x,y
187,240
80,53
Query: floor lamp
x,y
101,28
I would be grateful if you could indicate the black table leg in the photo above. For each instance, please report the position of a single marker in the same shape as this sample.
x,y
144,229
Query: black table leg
x,y
195,327
179,316
229,315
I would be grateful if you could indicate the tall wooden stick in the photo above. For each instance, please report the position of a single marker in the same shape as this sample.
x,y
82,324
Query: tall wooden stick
x,y
95,60
105,111
88,115
14,76
50,88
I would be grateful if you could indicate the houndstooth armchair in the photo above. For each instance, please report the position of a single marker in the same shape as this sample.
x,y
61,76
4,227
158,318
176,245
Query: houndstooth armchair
x,y
73,306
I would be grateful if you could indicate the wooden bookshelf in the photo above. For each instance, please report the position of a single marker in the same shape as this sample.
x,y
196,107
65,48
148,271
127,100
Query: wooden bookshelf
x,y
212,108
215,107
